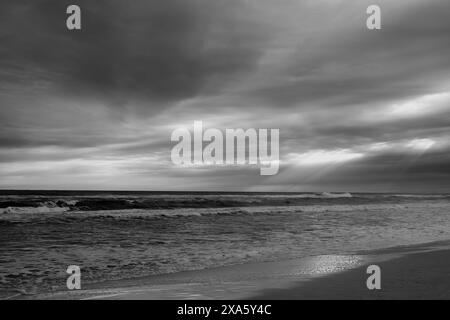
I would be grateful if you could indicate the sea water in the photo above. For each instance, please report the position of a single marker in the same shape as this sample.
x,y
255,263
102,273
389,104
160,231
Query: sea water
x,y
124,235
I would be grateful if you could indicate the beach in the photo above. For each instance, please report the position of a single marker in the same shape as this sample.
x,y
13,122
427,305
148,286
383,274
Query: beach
x,y
408,272
412,276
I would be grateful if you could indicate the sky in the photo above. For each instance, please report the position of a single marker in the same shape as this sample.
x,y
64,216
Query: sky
x,y
357,109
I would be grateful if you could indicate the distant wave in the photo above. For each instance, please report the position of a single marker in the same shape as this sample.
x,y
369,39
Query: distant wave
x,y
31,210
41,204
336,195
38,207
24,214
321,195
421,196
14,206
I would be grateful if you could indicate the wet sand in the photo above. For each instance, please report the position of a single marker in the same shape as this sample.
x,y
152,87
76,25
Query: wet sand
x,y
410,272
228,282
415,276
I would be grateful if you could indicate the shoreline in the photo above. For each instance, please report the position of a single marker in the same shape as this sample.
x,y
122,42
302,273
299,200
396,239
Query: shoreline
x,y
404,276
413,276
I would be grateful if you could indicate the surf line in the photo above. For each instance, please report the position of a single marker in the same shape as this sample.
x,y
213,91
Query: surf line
x,y
249,147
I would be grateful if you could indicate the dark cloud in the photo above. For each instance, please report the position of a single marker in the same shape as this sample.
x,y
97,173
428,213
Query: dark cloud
x,y
158,50
391,171
395,172
343,63
96,107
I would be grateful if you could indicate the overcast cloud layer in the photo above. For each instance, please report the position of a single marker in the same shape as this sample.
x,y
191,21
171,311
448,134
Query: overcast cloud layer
x,y
358,110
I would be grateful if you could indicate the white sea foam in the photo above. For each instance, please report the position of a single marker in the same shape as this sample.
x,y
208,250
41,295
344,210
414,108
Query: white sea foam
x,y
32,210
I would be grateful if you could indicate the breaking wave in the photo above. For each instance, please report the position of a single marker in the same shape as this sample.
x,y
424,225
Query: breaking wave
x,y
175,205
54,214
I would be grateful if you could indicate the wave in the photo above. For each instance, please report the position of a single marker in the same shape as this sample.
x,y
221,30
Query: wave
x,y
337,195
31,210
24,207
422,196
24,214
41,204
192,203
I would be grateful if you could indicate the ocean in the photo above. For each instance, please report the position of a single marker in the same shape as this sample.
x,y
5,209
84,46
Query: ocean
x,y
126,235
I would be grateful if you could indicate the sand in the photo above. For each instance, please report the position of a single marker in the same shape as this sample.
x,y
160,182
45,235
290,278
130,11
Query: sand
x,y
410,272
416,276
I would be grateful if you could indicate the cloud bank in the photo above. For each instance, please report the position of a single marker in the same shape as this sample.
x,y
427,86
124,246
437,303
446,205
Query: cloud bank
x,y
358,110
